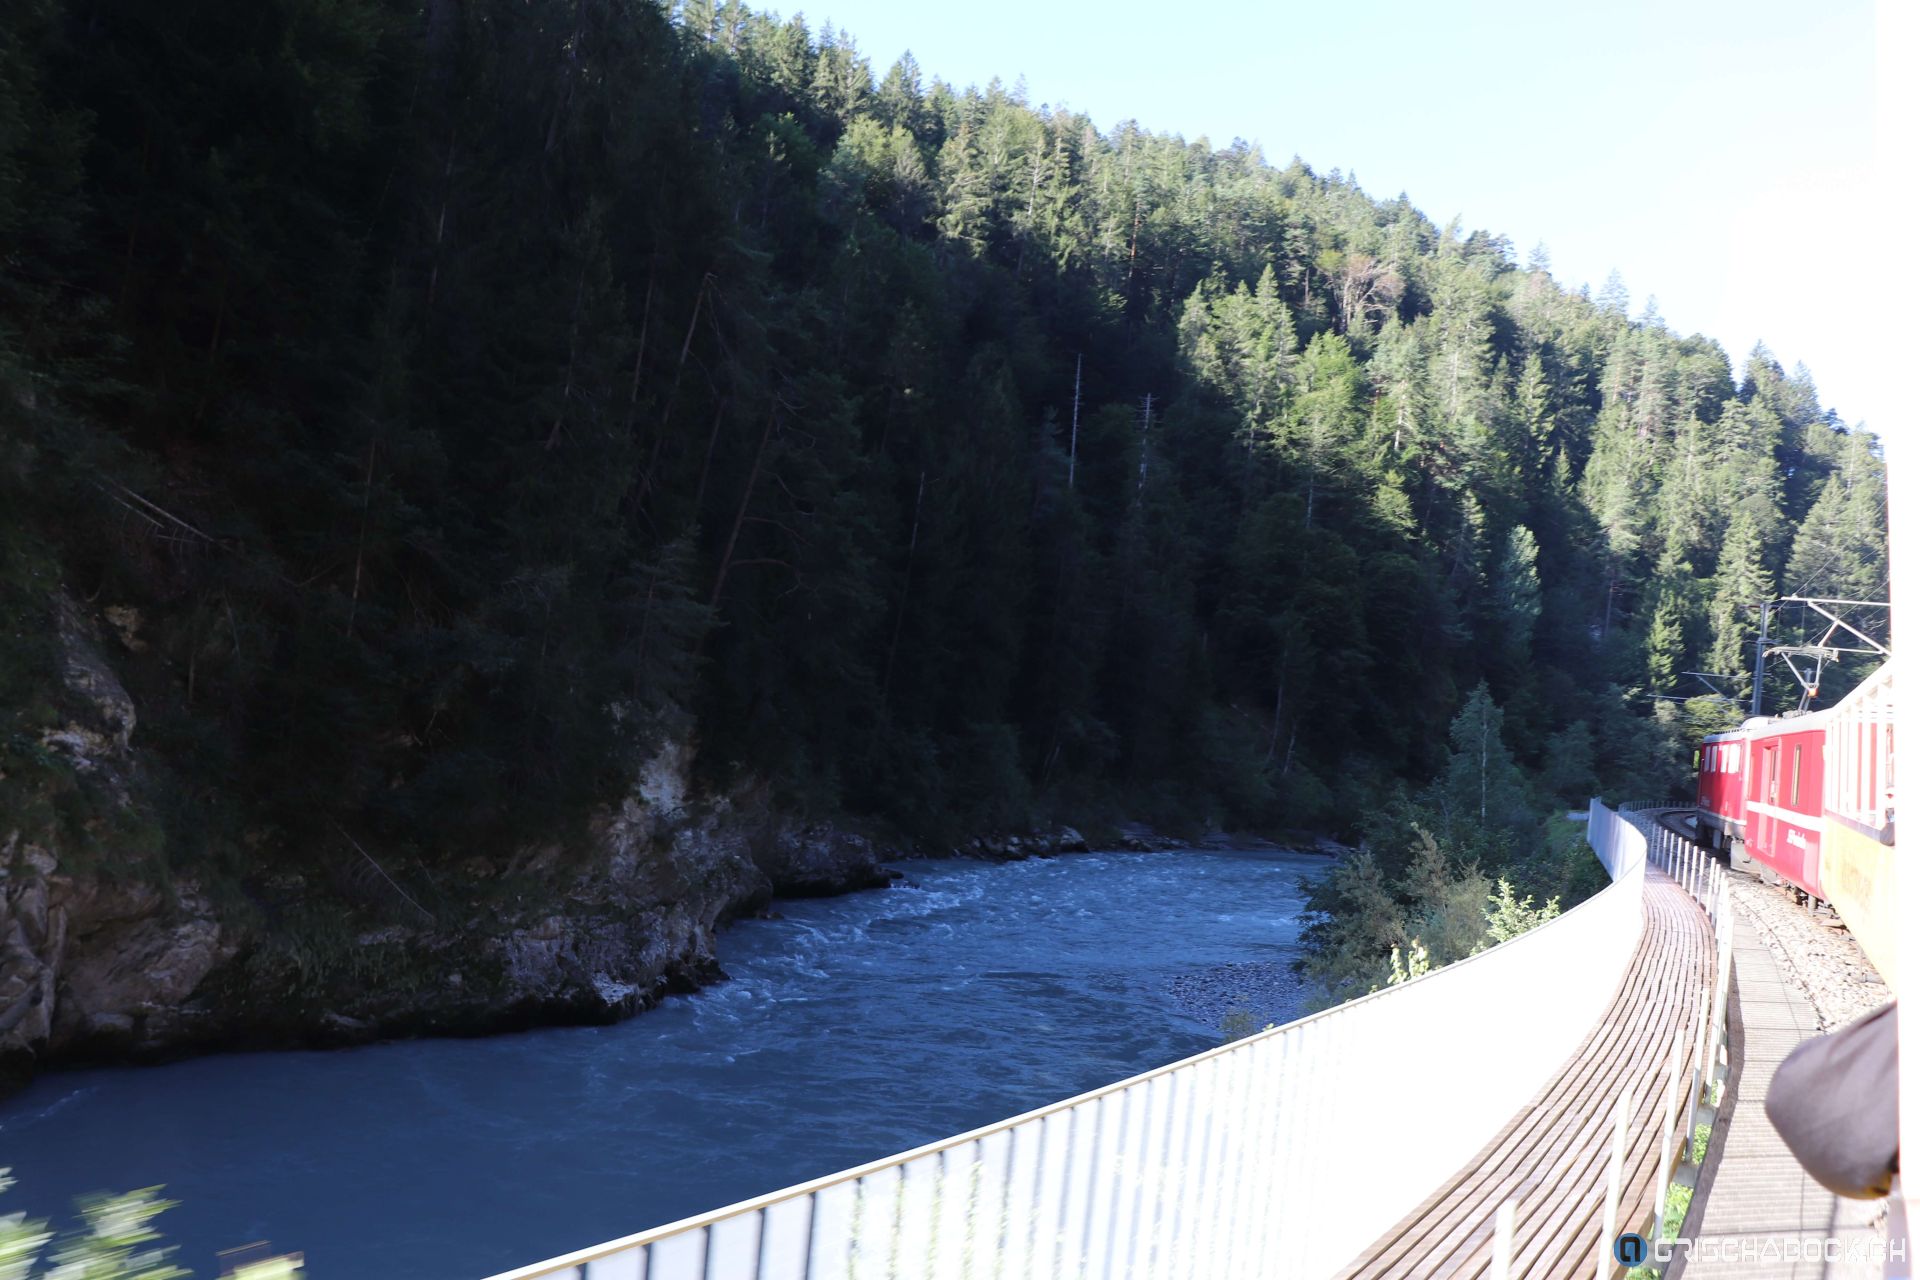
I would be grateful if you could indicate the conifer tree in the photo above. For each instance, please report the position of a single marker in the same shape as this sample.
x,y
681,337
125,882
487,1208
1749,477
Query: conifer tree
x,y
1740,586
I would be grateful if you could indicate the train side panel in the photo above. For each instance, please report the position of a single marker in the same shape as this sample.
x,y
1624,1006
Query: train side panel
x,y
1720,802
1857,861
1784,803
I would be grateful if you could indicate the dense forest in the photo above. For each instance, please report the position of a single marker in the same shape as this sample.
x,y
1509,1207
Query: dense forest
x,y
452,406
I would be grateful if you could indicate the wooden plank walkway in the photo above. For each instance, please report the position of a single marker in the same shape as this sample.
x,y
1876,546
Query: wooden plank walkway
x,y
1552,1157
1752,1190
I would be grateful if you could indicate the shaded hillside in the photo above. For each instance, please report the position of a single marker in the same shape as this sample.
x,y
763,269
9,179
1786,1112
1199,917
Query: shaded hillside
x,y
445,408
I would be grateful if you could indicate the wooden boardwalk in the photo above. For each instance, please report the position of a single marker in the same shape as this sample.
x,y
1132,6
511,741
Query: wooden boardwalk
x,y
1553,1156
1753,1194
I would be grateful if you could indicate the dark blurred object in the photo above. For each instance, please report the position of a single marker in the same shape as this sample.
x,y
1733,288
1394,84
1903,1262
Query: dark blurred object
x,y
1836,1102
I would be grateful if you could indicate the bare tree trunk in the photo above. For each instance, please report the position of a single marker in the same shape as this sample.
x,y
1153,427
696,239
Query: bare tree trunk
x,y
740,516
660,436
706,464
639,354
1026,235
573,355
646,621
906,585
569,76
1146,425
1073,440
1053,758
679,368
441,22
440,223
213,343
1273,739
133,223
360,553
1485,723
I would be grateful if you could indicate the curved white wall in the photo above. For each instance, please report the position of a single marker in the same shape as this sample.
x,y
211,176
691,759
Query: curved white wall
x,y
1282,1155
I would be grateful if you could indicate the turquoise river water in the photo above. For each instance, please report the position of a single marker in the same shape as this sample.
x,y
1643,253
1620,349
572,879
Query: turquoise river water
x,y
851,1028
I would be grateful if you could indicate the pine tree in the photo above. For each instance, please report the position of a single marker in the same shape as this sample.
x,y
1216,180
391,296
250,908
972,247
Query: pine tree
x,y
1484,785
1828,557
1666,641
1613,297
1740,586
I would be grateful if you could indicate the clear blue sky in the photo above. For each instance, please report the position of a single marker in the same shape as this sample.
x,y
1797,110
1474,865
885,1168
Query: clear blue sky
x,y
1717,152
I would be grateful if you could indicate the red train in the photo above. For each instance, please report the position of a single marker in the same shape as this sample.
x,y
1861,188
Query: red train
x,y
1810,799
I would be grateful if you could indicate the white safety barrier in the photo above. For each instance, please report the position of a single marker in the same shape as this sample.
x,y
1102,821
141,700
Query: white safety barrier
x,y
1281,1155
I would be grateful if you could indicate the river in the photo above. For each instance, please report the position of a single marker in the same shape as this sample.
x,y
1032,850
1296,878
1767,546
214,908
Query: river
x,y
852,1028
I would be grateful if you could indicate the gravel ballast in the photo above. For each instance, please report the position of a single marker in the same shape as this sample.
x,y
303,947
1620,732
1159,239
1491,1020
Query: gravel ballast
x,y
1822,961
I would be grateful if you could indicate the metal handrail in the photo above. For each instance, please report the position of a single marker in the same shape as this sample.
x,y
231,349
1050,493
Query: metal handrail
x,y
1315,1049
1705,881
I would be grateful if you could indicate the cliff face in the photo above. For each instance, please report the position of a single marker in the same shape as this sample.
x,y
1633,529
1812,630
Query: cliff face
x,y
133,963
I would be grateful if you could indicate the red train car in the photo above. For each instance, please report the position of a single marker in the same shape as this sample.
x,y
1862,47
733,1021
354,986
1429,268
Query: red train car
x,y
1785,776
1810,798
1721,802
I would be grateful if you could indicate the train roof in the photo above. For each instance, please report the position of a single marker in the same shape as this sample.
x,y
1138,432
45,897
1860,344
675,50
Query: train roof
x,y
1791,722
1799,721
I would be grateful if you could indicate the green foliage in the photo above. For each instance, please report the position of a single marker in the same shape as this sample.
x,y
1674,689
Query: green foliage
x,y
1436,880
1238,1024
1508,917
1673,1215
116,1242
1445,897
1419,964
473,399
1483,785
1567,768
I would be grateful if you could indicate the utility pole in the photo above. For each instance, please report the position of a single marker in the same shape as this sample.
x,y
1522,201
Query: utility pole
x,y
1760,654
1831,646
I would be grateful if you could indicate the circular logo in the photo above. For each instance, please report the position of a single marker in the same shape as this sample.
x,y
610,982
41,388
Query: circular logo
x,y
1630,1250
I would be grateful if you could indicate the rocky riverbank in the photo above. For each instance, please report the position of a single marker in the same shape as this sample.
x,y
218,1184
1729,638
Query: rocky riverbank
x,y
110,955
1238,999
135,967
130,967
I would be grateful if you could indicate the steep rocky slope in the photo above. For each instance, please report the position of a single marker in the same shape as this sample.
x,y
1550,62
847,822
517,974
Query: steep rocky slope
x,y
142,961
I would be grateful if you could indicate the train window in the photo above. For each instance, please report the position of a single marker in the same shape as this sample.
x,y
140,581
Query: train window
x,y
1863,767
1793,788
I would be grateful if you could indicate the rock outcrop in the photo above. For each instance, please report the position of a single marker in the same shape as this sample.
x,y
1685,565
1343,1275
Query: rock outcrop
x,y
99,965
107,956
1034,844
101,969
